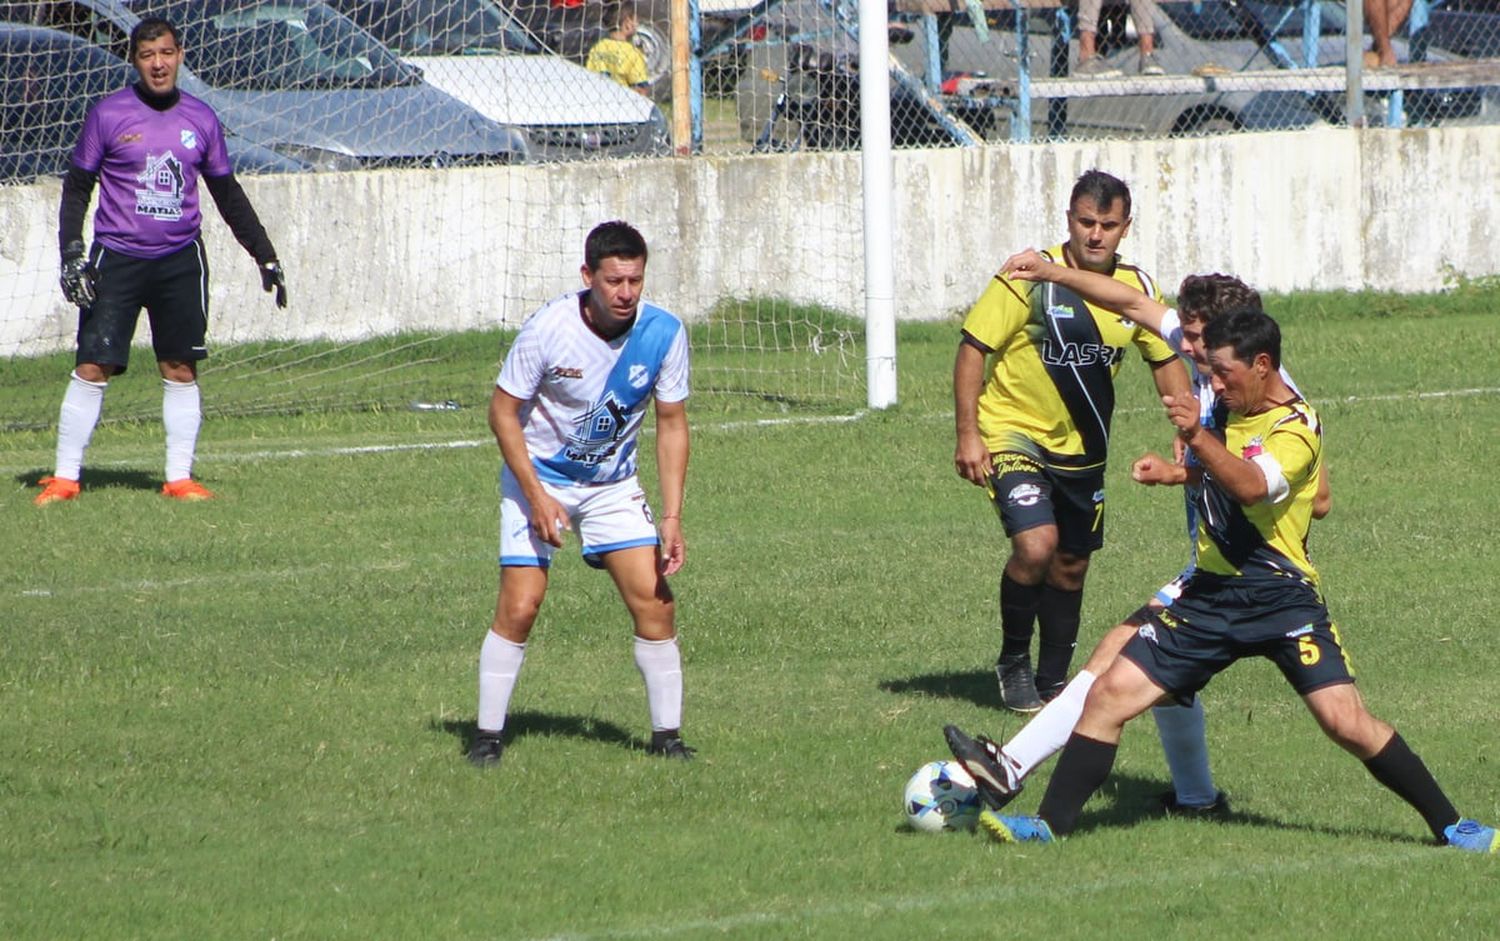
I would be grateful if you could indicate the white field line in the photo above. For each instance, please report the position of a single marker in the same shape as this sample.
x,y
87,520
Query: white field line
x,y
236,457
793,920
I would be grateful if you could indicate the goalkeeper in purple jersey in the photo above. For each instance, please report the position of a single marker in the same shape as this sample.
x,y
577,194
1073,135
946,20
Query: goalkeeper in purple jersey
x,y
146,147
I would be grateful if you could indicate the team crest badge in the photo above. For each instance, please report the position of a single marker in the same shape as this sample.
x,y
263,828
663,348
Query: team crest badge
x,y
638,376
1253,447
1148,631
189,139
1024,495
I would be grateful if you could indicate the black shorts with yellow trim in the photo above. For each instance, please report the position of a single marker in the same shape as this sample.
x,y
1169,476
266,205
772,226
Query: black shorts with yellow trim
x,y
1028,494
1220,619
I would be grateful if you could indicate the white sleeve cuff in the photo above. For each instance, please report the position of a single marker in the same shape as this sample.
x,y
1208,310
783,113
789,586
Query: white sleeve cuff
x,y
1277,488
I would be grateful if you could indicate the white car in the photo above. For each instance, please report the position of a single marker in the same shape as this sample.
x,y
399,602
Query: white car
x,y
479,54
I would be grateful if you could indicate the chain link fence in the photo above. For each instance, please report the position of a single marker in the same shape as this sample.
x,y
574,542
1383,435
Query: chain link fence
x,y
348,84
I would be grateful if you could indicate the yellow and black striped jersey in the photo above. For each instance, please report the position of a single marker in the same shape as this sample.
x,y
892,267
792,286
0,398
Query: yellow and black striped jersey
x,y
1266,539
1050,392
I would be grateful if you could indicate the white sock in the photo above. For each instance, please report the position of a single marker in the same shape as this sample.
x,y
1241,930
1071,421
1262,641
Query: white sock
x,y
181,416
1184,738
499,663
1048,730
76,421
660,663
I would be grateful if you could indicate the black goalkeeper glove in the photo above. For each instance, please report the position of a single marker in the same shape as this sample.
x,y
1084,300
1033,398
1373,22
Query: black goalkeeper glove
x,y
272,278
77,276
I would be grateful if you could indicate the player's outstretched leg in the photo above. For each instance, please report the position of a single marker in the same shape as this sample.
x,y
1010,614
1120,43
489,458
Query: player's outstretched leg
x,y
1004,829
985,762
1473,836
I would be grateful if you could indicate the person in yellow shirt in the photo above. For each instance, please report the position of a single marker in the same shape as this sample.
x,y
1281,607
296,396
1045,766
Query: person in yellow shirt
x,y
1033,394
616,57
1254,593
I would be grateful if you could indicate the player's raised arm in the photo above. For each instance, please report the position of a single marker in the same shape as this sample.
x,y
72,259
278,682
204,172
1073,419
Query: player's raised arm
x,y
1101,290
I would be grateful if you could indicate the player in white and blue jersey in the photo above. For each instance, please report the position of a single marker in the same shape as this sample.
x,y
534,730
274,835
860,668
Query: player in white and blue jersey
x,y
567,413
1182,727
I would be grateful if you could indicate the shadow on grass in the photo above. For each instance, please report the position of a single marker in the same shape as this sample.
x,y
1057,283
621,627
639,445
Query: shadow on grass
x,y
1127,799
523,724
101,479
977,687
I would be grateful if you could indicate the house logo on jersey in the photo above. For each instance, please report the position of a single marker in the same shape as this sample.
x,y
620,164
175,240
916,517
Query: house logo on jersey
x,y
598,432
639,376
189,139
160,195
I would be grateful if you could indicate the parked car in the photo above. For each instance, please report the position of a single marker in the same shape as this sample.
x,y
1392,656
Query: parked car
x,y
298,77
800,90
1197,36
48,80
479,54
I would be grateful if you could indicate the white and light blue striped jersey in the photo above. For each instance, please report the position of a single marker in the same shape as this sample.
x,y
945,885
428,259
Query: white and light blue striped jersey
x,y
586,396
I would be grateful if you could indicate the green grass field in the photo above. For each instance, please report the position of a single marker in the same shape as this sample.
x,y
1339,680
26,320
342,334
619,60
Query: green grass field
x,y
245,719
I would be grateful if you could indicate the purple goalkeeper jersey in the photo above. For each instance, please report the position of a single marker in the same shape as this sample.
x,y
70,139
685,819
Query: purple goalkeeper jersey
x,y
148,163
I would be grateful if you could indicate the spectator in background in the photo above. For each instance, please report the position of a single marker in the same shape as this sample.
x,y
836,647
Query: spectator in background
x,y
1091,65
1385,18
615,56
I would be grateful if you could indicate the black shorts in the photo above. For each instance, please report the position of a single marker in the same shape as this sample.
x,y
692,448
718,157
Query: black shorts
x,y
1218,620
172,288
1029,494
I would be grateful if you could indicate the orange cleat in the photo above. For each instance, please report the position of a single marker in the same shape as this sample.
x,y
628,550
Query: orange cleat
x,y
187,489
56,490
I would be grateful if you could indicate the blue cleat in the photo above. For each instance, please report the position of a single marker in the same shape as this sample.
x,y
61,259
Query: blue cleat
x,y
1016,829
1473,836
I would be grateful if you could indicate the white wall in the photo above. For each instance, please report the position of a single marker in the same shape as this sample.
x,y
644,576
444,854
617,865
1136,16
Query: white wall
x,y
375,252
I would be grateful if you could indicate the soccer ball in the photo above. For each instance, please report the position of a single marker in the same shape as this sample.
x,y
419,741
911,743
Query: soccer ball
x,y
942,796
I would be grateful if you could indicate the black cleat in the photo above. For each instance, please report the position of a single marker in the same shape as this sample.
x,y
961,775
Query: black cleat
x,y
669,744
1017,685
486,750
985,763
1218,810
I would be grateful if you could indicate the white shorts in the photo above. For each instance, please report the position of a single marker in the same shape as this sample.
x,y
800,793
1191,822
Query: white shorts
x,y
603,517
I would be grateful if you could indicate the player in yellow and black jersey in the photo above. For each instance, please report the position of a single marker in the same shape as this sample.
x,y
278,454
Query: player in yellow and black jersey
x,y
1253,594
1033,390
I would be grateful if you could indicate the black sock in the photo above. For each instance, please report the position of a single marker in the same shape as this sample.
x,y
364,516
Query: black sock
x,y
1018,604
1081,768
1398,768
1057,617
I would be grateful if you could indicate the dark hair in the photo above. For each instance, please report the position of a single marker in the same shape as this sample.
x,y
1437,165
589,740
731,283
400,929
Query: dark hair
x,y
615,14
616,239
1202,297
1248,332
1103,189
152,27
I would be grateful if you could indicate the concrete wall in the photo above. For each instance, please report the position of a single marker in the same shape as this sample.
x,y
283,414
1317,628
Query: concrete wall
x,y
378,252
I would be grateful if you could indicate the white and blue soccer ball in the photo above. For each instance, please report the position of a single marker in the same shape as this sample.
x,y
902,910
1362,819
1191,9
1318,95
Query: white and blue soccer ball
x,y
942,796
